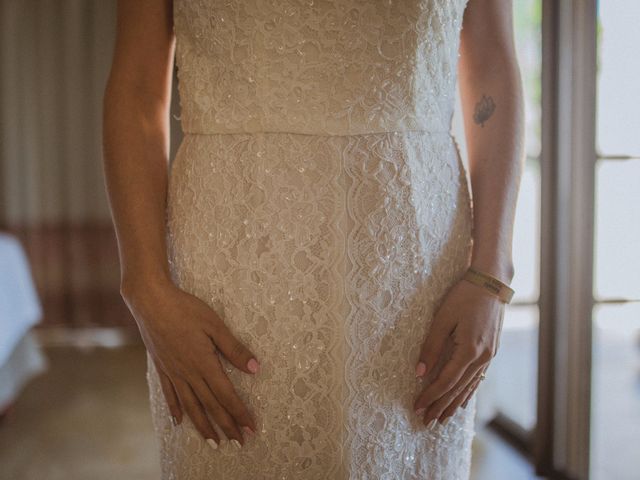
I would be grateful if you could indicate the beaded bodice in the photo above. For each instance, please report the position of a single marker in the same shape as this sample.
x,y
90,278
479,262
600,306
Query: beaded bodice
x,y
331,67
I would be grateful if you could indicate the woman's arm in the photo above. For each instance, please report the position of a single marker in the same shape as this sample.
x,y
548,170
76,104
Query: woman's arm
x,y
136,139
466,327
181,332
492,102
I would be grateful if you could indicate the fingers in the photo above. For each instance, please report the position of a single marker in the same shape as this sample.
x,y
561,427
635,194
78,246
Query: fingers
x,y
446,380
232,348
200,399
218,412
472,388
192,406
445,407
226,395
432,347
171,397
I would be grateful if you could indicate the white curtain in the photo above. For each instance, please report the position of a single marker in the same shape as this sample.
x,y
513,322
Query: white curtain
x,y
55,57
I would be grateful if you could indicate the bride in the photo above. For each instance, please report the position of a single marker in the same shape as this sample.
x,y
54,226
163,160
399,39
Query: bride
x,y
318,295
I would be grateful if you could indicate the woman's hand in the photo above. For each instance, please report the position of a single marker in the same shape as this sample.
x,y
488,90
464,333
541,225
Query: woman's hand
x,y
470,320
182,334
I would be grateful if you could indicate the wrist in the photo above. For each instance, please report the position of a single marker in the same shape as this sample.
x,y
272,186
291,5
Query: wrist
x,y
491,284
143,294
503,270
134,286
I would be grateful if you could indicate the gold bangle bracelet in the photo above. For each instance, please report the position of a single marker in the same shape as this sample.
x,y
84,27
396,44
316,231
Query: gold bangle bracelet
x,y
490,283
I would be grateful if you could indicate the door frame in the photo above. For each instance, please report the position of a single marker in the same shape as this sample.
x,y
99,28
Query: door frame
x,y
561,446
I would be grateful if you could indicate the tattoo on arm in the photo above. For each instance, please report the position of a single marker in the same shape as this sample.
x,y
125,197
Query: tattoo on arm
x,y
484,109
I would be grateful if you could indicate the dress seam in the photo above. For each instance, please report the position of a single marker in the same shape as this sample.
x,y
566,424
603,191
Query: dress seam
x,y
288,132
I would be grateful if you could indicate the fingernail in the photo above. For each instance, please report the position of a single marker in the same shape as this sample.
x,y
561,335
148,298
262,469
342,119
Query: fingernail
x,y
212,443
446,420
432,423
420,411
421,368
236,443
252,365
248,430
174,420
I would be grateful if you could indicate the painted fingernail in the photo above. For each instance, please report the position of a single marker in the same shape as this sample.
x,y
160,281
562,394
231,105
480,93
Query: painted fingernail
x,y
253,366
420,369
420,411
174,420
248,431
212,443
236,443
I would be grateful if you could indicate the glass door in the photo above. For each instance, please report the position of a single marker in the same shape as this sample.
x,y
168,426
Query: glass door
x,y
615,404
564,387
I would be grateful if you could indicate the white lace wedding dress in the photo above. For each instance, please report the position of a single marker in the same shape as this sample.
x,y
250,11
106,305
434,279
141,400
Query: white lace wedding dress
x,y
319,203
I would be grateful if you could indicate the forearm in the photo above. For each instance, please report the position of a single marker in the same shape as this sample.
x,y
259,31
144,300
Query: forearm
x,y
136,146
493,109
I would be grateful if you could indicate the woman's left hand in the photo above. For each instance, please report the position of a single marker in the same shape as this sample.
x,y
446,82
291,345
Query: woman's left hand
x,y
470,318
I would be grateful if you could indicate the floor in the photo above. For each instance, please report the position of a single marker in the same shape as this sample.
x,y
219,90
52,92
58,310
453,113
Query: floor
x,y
88,417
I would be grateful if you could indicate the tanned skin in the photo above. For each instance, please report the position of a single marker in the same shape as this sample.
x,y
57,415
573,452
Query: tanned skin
x,y
180,331
468,323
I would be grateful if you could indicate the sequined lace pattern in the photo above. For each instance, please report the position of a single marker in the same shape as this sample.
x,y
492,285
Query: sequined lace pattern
x,y
322,209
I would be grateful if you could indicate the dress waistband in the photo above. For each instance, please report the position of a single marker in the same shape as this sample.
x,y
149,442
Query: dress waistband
x,y
320,134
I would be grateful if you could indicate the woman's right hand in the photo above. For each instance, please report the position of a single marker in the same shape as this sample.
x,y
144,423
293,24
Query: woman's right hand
x,y
183,334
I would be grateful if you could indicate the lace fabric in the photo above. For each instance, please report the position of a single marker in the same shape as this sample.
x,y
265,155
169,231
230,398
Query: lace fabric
x,y
326,242
317,66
